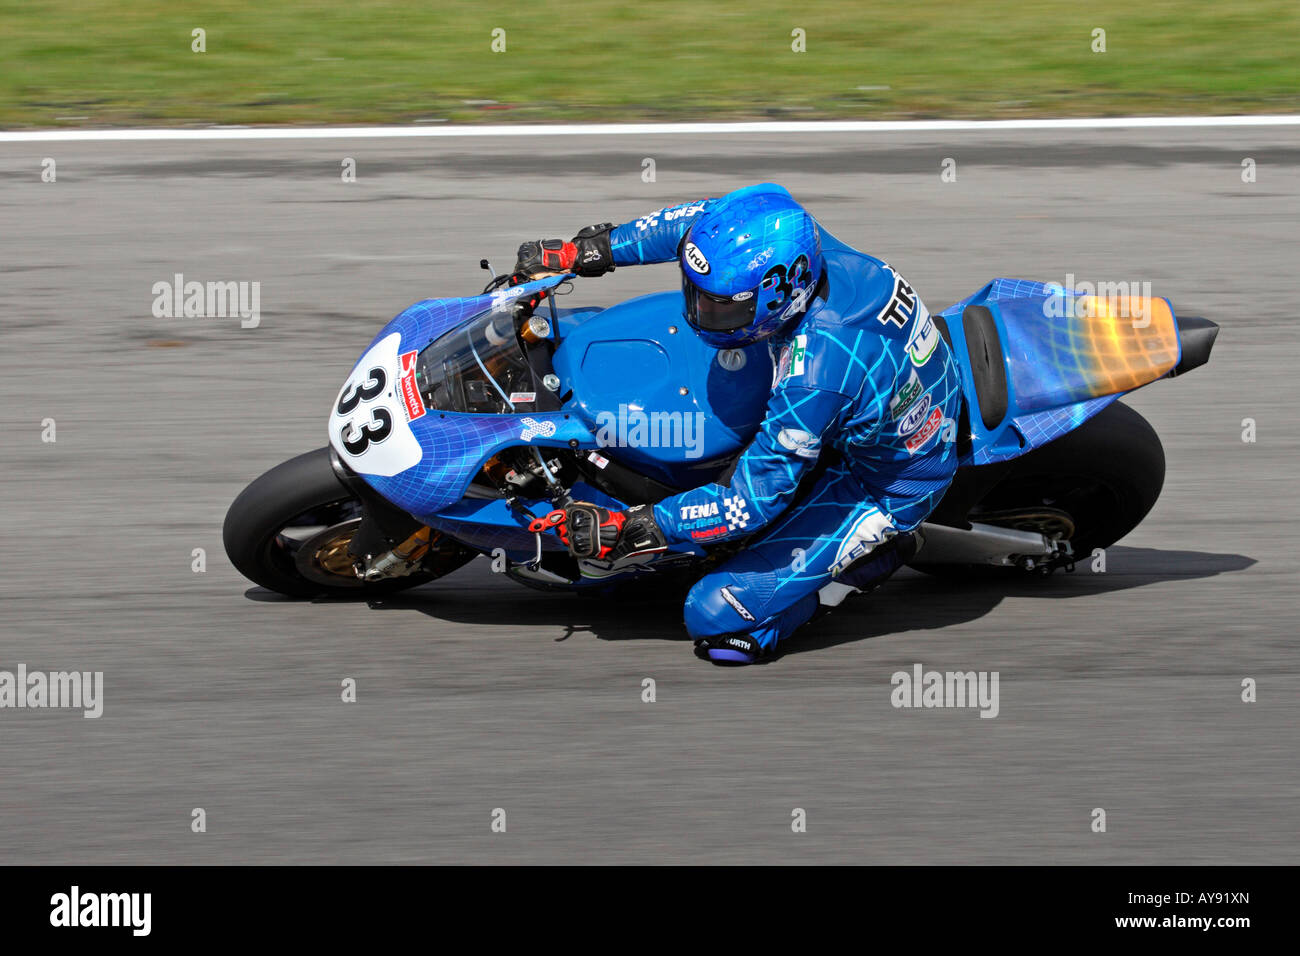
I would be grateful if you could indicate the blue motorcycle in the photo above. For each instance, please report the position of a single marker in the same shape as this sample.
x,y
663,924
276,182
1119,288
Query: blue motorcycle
x,y
467,419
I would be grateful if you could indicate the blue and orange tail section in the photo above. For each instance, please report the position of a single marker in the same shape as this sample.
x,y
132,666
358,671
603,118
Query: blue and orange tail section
x,y
1065,356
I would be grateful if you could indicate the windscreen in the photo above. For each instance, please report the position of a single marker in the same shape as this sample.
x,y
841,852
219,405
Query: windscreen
x,y
476,368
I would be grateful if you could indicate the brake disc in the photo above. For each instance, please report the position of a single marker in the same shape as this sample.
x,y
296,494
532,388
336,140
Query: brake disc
x,y
324,558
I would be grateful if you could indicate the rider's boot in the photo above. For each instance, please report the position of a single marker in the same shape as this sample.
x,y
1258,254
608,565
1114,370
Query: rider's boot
x,y
753,647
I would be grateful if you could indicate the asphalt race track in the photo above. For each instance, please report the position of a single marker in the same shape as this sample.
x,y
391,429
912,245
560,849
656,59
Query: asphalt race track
x,y
1118,690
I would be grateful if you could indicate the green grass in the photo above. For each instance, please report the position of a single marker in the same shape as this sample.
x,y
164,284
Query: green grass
x,y
99,62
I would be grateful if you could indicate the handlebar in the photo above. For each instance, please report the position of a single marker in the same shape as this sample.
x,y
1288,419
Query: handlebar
x,y
511,278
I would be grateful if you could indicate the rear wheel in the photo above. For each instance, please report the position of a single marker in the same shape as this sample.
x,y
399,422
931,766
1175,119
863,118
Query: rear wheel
x,y
290,529
1090,487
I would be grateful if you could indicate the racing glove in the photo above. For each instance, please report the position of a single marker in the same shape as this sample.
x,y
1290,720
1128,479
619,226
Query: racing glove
x,y
594,532
588,254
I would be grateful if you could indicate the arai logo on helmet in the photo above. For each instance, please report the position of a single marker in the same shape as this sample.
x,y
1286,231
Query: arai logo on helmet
x,y
695,259
742,296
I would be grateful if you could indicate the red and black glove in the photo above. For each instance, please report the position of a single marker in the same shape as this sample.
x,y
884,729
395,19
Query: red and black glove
x,y
594,532
587,255
546,255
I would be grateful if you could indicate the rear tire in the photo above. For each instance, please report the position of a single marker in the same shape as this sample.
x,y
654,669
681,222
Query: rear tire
x,y
1105,475
305,492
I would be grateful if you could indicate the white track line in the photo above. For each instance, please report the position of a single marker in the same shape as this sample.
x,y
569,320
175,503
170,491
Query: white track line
x,y
639,129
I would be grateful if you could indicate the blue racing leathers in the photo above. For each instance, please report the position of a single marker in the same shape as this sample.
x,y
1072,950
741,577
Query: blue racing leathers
x,y
866,394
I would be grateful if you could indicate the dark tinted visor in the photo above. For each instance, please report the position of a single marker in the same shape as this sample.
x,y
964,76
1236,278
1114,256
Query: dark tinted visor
x,y
717,313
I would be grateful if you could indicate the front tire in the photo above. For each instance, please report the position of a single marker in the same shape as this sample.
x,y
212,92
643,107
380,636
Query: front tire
x,y
295,504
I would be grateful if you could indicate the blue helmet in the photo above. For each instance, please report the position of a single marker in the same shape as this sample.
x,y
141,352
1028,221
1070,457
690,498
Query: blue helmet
x,y
750,265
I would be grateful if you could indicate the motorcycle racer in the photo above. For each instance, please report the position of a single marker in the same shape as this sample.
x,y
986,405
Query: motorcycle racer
x,y
857,445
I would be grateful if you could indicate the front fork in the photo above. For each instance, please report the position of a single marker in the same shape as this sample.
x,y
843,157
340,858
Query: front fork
x,y
389,542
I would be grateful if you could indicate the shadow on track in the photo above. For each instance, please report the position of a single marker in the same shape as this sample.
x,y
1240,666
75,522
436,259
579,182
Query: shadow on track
x,y
910,602
919,602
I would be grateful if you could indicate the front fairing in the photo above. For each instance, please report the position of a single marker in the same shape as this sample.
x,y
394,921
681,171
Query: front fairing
x,y
423,460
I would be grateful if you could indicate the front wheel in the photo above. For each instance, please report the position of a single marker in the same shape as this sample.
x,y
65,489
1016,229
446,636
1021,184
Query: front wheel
x,y
290,529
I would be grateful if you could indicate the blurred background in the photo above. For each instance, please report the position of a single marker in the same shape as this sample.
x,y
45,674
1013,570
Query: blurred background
x,y
109,62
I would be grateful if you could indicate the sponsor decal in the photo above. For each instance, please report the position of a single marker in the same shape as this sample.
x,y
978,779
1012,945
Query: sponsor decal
x,y
802,443
366,427
411,400
742,296
901,307
915,418
600,461
695,259
522,398
798,352
927,432
679,212
924,339
534,428
867,532
905,396
736,605
691,512
735,513
503,298
708,532
668,215
797,301
705,517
